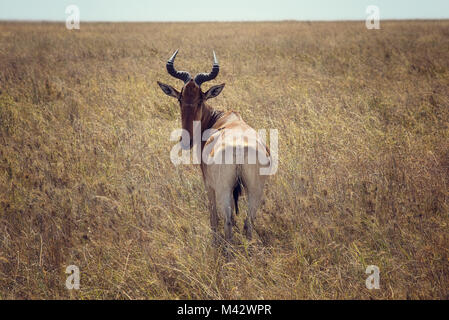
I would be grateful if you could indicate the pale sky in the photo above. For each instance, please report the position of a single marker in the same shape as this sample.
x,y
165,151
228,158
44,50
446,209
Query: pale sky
x,y
221,10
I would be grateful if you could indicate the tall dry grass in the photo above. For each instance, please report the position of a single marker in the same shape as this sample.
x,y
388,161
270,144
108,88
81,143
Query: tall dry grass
x,y
86,179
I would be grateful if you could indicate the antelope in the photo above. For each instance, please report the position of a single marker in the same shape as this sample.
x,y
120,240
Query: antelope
x,y
223,182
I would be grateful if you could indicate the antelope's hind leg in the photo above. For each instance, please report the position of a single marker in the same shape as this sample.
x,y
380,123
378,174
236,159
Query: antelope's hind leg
x,y
213,215
255,186
254,200
224,208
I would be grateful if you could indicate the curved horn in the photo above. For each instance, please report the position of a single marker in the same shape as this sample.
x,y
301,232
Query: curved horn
x,y
203,77
181,75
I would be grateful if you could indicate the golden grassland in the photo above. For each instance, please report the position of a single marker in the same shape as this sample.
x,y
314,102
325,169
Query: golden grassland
x,y
86,177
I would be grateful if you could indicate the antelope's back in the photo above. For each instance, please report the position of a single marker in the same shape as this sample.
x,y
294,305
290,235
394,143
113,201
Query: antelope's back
x,y
233,141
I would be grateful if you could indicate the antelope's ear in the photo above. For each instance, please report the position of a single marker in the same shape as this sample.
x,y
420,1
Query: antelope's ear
x,y
169,90
214,91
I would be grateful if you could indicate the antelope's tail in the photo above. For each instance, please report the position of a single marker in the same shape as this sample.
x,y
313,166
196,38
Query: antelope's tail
x,y
236,193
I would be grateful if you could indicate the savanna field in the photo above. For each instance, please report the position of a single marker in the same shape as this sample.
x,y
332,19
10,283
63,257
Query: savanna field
x,y
363,178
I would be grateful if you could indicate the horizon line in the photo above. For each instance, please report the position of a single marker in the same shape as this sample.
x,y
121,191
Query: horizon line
x,y
215,21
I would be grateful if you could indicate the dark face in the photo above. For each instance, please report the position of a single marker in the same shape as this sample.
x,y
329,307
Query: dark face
x,y
191,103
191,100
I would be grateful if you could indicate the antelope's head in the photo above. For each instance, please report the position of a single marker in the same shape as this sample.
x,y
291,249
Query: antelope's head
x,y
191,97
